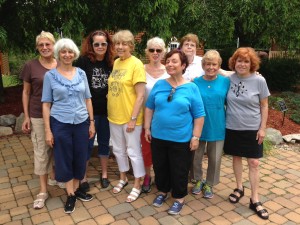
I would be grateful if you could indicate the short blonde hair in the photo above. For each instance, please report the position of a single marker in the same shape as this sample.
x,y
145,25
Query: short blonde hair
x,y
156,41
68,44
44,34
189,37
124,36
211,55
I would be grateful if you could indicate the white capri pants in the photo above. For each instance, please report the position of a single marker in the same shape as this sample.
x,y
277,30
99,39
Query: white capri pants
x,y
126,145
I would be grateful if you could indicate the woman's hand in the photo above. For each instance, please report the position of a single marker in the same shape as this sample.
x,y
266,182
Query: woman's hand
x,y
148,135
92,130
26,126
130,126
260,136
49,138
194,144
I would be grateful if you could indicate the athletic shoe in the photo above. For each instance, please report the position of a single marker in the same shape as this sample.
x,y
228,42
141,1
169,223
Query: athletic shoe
x,y
83,196
176,208
207,191
198,187
159,200
84,187
70,204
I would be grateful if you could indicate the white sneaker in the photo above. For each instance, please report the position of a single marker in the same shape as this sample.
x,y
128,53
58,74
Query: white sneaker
x,y
54,182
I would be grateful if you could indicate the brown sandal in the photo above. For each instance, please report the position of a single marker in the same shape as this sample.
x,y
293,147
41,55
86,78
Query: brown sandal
x,y
260,213
237,198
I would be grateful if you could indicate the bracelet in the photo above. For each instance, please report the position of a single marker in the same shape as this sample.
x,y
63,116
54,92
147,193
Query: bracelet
x,y
195,137
92,120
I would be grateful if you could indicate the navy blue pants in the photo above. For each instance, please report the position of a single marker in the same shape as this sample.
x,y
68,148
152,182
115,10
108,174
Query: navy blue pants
x,y
171,164
70,149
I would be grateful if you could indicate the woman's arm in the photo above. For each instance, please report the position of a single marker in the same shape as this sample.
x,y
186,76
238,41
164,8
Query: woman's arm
x,y
25,101
89,107
46,116
147,124
198,125
264,109
140,95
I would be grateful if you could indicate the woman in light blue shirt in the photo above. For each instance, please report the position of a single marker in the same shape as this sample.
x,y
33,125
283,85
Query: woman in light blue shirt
x,y
68,117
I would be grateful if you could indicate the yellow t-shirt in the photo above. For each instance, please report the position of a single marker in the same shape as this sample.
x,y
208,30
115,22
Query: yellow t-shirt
x,y
121,92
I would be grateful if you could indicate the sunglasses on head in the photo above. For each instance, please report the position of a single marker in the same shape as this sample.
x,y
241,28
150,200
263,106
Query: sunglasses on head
x,y
170,97
98,44
154,50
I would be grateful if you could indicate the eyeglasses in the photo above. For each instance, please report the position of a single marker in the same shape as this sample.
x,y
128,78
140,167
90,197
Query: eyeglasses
x,y
170,97
98,44
154,50
41,45
191,45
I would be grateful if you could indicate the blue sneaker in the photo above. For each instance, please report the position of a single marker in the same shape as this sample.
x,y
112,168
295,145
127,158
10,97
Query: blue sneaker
x,y
198,187
159,200
207,191
176,208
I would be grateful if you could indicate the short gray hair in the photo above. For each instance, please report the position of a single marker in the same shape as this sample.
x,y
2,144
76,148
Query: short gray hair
x,y
68,44
156,41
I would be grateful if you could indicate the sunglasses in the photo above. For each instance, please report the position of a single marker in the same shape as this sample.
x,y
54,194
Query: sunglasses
x,y
154,50
98,44
41,45
170,97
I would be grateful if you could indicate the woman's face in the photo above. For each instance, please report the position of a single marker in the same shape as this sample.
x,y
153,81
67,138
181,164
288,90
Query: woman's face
x,y
100,45
189,48
174,66
242,66
155,53
66,56
122,49
45,47
211,67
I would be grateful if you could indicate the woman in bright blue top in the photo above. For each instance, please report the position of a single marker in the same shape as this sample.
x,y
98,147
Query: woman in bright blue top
x,y
213,88
68,118
174,118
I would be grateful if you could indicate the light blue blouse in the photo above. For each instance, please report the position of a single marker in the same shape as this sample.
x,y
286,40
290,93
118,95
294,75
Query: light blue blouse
x,y
68,97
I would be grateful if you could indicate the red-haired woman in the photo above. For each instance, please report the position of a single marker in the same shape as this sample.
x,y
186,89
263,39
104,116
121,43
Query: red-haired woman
x,y
97,60
246,119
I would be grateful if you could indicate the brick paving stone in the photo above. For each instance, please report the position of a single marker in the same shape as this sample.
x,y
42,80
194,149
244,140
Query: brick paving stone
x,y
122,216
8,205
40,218
274,206
5,218
146,211
97,211
285,202
33,211
91,204
214,210
25,201
232,216
226,206
140,202
103,195
283,184
54,203
278,191
257,220
6,191
24,178
294,172
104,219
87,222
80,214
65,220
244,222
18,210
167,220
148,221
196,205
160,215
34,183
109,202
21,216
132,221
120,222
283,211
4,180
57,213
119,209
187,220
136,215
295,217
277,218
220,220
201,215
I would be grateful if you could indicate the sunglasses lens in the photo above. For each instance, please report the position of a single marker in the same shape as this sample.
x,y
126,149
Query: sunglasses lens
x,y
155,50
151,50
158,50
97,44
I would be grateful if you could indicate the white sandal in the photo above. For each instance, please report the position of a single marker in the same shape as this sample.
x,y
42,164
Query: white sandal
x,y
40,200
119,187
134,194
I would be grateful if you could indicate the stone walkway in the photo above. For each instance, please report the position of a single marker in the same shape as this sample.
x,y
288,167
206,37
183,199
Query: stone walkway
x,y
279,189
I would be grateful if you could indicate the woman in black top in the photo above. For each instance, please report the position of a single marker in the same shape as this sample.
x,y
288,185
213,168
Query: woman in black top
x,y
97,60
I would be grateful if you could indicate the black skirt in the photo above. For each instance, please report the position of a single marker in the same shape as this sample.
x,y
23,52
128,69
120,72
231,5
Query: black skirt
x,y
242,143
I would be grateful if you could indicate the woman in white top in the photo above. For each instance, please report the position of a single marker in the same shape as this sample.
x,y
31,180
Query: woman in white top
x,y
155,71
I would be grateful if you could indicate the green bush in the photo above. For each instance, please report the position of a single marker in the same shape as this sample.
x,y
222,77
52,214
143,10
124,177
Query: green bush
x,y
267,148
11,80
282,74
17,60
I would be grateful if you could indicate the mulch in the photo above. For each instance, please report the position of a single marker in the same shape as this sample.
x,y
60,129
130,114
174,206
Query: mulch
x,y
13,105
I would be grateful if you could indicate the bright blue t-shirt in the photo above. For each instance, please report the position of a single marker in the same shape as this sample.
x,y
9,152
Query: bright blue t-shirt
x,y
213,94
68,97
174,120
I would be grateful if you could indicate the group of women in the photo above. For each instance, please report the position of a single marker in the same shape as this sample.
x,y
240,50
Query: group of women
x,y
184,106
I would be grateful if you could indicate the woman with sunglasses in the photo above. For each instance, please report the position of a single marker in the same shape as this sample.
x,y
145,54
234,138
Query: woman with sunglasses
x,y
33,76
97,60
174,117
155,71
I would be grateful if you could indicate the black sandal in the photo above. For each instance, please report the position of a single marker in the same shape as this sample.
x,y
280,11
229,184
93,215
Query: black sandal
x,y
258,212
237,198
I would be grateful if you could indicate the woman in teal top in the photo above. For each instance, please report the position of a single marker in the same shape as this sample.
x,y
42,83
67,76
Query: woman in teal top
x,y
213,89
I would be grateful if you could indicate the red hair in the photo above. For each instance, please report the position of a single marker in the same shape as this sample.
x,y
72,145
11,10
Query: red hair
x,y
243,53
87,47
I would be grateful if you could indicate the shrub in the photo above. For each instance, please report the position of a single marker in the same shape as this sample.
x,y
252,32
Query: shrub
x,y
11,80
267,147
17,60
282,74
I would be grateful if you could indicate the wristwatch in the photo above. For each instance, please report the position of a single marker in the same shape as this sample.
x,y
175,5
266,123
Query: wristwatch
x,y
133,118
